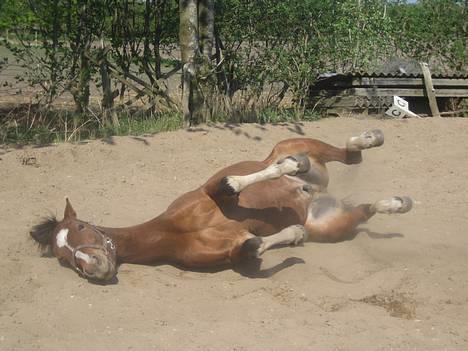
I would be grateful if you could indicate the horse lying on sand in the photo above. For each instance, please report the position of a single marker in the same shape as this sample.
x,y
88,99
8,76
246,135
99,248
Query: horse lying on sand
x,y
238,214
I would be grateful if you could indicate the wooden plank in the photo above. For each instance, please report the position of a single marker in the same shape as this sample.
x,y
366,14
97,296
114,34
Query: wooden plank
x,y
394,82
390,92
353,101
338,101
438,82
430,91
384,82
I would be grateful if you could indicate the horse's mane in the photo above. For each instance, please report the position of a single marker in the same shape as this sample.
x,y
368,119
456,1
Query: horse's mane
x,y
42,232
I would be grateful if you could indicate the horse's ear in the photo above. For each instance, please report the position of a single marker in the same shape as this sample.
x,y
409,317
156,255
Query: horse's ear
x,y
69,211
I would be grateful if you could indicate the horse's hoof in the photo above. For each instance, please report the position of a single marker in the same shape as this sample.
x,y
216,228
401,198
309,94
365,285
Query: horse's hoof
x,y
366,140
406,204
396,204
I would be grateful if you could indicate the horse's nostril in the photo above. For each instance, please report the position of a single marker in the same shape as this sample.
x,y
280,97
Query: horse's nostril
x,y
97,259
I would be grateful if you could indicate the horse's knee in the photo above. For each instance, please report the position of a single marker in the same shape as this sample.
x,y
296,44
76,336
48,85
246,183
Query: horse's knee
x,y
303,162
250,248
227,187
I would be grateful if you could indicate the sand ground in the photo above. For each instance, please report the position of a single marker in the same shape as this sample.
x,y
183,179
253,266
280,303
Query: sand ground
x,y
400,284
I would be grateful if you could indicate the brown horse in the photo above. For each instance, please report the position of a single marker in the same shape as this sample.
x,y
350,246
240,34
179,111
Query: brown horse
x,y
237,214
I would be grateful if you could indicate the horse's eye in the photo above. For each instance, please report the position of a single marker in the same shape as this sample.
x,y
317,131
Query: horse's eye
x,y
80,226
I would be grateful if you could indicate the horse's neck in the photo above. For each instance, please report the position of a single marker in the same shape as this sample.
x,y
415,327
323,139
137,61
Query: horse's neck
x,y
140,243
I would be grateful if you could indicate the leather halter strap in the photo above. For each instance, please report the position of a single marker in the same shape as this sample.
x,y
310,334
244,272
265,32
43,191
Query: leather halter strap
x,y
106,246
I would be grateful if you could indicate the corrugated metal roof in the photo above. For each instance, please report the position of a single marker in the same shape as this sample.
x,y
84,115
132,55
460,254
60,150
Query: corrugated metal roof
x,y
374,74
455,75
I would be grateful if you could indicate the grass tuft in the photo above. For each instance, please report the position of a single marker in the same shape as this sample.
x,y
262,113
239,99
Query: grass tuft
x,y
45,127
27,125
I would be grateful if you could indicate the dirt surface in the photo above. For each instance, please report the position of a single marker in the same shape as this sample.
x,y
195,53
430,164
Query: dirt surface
x,y
400,284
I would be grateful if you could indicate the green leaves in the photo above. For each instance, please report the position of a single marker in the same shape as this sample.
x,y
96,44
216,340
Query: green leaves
x,y
434,31
262,46
290,42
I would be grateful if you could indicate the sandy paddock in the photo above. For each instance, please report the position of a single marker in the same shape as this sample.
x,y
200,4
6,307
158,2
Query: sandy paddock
x,y
400,284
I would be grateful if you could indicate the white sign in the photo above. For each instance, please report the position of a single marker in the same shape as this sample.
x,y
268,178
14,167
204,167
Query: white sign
x,y
400,108
398,101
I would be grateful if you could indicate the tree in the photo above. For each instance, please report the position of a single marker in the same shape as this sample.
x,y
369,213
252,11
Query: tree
x,y
433,30
196,33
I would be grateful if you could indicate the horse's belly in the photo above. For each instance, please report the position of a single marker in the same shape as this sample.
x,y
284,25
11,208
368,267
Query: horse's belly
x,y
270,206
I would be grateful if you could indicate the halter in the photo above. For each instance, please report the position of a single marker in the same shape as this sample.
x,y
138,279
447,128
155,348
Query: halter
x,y
107,245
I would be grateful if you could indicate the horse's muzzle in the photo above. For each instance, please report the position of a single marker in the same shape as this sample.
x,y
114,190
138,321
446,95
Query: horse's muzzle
x,y
101,268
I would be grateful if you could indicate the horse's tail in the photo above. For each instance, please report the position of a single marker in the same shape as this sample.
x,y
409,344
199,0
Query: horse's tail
x,y
42,232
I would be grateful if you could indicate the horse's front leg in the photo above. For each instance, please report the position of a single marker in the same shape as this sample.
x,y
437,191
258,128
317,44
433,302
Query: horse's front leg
x,y
291,165
230,244
293,235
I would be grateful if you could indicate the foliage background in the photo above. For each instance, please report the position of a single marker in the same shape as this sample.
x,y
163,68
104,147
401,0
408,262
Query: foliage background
x,y
267,52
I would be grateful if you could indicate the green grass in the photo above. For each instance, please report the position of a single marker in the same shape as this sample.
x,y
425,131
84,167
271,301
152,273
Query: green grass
x,y
129,125
63,126
287,115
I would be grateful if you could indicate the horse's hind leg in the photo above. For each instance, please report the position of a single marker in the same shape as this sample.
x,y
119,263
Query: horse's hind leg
x,y
291,165
321,153
328,221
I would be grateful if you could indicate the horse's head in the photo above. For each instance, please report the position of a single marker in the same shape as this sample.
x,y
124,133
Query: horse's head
x,y
82,246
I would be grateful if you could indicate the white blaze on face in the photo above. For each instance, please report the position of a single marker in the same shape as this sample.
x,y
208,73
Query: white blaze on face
x,y
62,241
62,238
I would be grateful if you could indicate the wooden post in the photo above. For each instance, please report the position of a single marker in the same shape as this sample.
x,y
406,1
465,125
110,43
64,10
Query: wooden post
x,y
430,91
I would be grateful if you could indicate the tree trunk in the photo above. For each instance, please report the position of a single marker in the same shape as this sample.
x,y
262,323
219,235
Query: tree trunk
x,y
158,16
206,27
196,32
82,91
189,50
108,95
55,43
145,62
